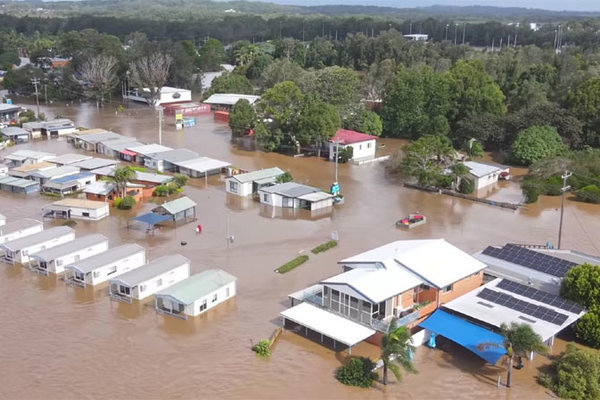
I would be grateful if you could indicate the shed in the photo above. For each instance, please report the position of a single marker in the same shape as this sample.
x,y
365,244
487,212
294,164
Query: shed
x,y
157,275
15,134
69,184
196,294
18,229
106,265
19,250
54,259
225,101
76,209
295,195
181,208
484,174
18,185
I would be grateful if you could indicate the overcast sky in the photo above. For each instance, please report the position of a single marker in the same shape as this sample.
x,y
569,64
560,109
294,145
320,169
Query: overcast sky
x,y
573,5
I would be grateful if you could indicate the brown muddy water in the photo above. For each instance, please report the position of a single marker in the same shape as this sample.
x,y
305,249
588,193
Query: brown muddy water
x,y
61,342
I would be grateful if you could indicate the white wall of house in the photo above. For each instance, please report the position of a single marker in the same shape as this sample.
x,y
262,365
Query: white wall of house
x,y
485,180
318,205
160,282
152,163
115,269
212,300
57,266
233,186
90,213
273,199
21,233
22,256
359,150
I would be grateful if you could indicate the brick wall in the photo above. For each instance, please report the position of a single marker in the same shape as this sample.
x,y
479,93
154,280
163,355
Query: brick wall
x,y
463,286
406,298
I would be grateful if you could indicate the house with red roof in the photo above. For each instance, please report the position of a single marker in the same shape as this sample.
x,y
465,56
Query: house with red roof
x,y
363,145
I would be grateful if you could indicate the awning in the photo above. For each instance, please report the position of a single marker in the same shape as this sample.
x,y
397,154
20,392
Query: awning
x,y
128,153
151,218
333,326
466,334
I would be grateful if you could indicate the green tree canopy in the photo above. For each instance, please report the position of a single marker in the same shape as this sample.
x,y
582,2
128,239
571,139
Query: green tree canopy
x,y
585,103
268,139
242,117
317,122
536,143
212,55
582,285
230,83
426,158
281,103
396,351
364,121
339,87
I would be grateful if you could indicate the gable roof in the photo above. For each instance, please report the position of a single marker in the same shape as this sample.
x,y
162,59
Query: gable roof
x,y
152,269
230,98
435,261
175,156
111,255
94,163
14,131
19,225
102,188
71,247
483,169
198,286
148,148
56,172
346,136
258,175
290,189
36,238
69,158
202,164
177,205
21,155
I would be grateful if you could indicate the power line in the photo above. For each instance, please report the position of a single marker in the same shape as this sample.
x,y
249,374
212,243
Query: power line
x,y
35,82
564,188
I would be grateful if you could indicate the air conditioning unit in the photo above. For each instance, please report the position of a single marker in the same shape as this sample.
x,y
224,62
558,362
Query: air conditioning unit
x,y
397,312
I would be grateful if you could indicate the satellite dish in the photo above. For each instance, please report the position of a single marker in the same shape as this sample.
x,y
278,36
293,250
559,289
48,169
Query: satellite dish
x,y
176,95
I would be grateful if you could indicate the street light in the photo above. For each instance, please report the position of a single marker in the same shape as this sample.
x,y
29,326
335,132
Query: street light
x,y
447,25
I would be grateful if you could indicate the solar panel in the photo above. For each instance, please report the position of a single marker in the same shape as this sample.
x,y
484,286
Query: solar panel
x,y
531,259
525,307
539,295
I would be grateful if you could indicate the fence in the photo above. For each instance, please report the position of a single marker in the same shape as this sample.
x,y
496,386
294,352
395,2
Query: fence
x,y
512,206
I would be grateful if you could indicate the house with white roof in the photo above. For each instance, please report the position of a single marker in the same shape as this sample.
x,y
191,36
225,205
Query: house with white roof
x,y
363,145
19,250
142,152
15,134
94,163
24,157
77,209
47,175
54,260
68,159
249,183
168,160
225,101
201,167
406,279
168,95
295,195
20,228
485,174
114,147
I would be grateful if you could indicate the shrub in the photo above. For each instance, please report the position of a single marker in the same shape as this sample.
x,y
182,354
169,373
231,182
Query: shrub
x,y
139,169
180,180
346,154
358,372
589,194
161,191
587,328
536,143
553,186
262,348
324,247
292,264
444,181
285,177
467,186
126,203
117,202
532,190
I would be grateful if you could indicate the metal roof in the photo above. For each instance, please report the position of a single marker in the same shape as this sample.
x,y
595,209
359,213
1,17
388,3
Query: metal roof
x,y
290,189
35,166
70,247
121,144
198,286
56,172
316,196
258,175
148,149
14,131
77,203
175,156
19,225
203,164
230,98
36,238
177,205
72,177
94,163
9,107
151,218
100,187
25,154
17,182
153,178
483,169
100,137
108,257
70,158
151,270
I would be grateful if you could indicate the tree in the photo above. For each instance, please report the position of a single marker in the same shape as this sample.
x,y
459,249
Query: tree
x,y
281,103
582,285
180,180
212,55
364,121
285,70
426,158
473,148
285,177
585,103
379,79
230,82
121,177
242,117
536,143
268,139
416,104
458,172
519,339
587,328
339,87
100,72
151,73
358,372
396,351
487,129
317,123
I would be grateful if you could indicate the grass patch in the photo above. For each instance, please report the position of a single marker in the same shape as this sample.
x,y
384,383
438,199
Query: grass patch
x,y
292,264
324,247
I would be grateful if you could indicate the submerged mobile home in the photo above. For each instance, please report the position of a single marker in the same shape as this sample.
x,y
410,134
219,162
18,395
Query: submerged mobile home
x,y
106,265
19,250
18,229
54,259
196,294
150,278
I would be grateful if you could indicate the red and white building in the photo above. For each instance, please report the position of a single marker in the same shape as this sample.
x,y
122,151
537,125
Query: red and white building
x,y
363,145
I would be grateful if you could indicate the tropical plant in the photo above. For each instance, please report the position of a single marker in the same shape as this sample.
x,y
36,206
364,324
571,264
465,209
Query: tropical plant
x,y
121,177
519,339
180,180
358,372
466,186
126,203
262,348
458,172
396,351
285,177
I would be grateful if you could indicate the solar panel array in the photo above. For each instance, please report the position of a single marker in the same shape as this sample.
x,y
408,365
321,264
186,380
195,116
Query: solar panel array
x,y
525,307
531,259
539,295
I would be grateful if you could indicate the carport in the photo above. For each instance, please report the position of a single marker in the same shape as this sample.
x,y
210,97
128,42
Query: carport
x,y
151,219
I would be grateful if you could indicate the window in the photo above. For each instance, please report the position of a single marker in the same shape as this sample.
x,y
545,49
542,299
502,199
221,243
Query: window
x,y
369,145
265,197
142,288
447,289
360,146
227,292
233,187
203,305
112,270
159,282
424,287
85,214
96,274
79,276
58,263
124,290
214,298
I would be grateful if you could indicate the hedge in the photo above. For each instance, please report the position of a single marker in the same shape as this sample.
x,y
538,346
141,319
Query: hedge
x,y
324,247
292,264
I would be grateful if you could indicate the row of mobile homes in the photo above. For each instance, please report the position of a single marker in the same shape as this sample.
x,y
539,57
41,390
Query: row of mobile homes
x,y
295,195
249,183
113,148
26,171
168,160
19,250
178,209
49,129
196,294
201,167
54,260
45,176
94,163
144,152
18,229
77,209
91,141
69,184
68,159
150,278
107,265
15,134
18,185
24,157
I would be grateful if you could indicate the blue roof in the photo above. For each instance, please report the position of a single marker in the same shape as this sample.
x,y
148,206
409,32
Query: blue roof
x,y
73,177
466,334
151,218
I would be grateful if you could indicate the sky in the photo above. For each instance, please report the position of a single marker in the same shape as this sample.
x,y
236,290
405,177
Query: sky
x,y
557,5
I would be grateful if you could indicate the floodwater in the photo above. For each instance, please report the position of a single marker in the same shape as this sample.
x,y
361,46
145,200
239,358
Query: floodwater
x,y
64,342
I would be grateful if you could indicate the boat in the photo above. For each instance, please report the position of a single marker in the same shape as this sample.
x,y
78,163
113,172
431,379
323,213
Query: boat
x,y
411,221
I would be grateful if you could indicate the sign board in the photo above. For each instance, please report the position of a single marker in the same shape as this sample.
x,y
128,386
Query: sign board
x,y
335,188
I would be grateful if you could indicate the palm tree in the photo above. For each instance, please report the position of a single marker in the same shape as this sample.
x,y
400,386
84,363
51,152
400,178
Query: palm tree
x,y
121,177
396,351
457,172
519,339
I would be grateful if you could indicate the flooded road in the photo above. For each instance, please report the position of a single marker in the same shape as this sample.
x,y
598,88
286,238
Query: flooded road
x,y
61,342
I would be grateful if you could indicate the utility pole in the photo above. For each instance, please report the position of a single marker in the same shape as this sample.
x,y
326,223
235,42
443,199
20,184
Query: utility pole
x,y
562,203
160,117
35,82
447,25
46,93
455,28
337,156
464,28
